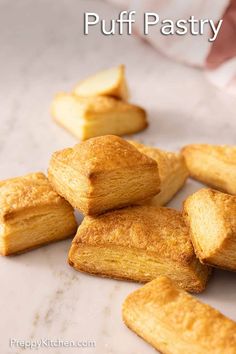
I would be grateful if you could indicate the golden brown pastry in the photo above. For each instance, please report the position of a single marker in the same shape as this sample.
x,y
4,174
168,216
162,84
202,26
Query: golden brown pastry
x,y
32,214
110,82
174,322
138,243
87,117
211,216
103,173
172,170
214,165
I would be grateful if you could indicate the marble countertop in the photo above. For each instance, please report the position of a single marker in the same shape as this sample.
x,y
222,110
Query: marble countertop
x,y
43,52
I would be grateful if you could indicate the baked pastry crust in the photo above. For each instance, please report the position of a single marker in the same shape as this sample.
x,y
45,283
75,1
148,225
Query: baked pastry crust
x,y
174,322
110,82
172,170
138,243
214,165
32,214
87,117
211,216
103,173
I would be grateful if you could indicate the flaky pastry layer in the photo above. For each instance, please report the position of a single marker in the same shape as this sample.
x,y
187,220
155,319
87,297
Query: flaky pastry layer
x,y
211,216
174,322
172,170
214,165
138,243
103,173
32,214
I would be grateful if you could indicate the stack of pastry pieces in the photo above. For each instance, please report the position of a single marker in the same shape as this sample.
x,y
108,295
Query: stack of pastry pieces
x,y
105,178
121,187
122,236
98,106
166,316
211,213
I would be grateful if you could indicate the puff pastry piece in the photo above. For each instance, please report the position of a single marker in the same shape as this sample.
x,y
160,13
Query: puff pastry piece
x,y
110,82
138,243
174,322
87,117
172,170
214,165
32,214
103,173
211,216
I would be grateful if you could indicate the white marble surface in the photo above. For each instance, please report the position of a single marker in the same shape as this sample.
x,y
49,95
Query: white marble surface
x,y
42,52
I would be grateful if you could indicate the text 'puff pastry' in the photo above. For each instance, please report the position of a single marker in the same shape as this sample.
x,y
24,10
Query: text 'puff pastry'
x,y
172,170
211,216
214,165
103,173
174,322
138,243
32,214
87,117
110,82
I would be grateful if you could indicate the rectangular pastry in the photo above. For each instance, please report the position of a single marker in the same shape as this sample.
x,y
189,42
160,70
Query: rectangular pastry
x,y
87,117
214,165
172,170
211,216
110,82
32,214
138,243
174,322
103,173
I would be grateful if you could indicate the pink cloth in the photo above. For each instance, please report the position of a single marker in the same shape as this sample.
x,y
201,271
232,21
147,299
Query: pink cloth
x,y
218,57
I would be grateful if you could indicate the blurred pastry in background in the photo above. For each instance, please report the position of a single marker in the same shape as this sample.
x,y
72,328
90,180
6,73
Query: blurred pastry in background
x,y
110,82
87,117
99,106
